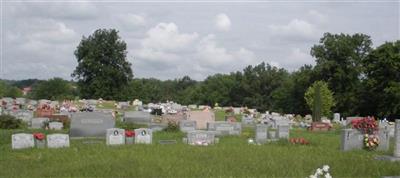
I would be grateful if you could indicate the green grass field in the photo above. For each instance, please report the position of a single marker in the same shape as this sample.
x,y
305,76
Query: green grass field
x,y
232,157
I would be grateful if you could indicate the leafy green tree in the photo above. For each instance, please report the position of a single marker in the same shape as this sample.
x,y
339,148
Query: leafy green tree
x,y
339,62
103,70
326,97
53,89
381,84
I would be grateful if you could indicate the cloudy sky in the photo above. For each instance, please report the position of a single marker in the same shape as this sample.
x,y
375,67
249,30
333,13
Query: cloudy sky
x,y
172,39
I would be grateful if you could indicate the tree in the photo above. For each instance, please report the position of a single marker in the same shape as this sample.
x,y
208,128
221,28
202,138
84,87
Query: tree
x,y
53,89
325,97
102,71
381,84
339,62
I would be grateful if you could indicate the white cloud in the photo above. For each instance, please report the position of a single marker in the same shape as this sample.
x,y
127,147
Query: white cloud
x,y
132,20
295,29
317,16
222,22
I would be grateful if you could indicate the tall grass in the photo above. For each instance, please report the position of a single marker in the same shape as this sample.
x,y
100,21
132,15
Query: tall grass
x,y
232,157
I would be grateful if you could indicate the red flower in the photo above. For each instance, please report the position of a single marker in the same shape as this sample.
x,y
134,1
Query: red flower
x,y
39,136
129,133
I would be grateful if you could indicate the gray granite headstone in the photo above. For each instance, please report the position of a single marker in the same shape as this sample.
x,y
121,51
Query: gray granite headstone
x,y
115,136
351,139
91,124
143,135
25,116
55,125
200,137
187,125
57,140
384,139
396,152
38,123
22,140
137,117
261,133
158,126
225,128
282,132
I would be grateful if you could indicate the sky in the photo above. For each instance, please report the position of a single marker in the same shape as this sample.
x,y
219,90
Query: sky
x,y
168,40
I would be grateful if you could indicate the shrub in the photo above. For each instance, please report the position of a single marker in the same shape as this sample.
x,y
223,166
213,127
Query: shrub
x,y
172,126
10,122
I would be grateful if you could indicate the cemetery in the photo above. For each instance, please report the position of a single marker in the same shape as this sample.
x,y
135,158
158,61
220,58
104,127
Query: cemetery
x,y
191,139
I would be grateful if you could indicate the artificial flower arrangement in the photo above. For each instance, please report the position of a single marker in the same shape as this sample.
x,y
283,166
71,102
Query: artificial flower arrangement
x,y
321,172
300,141
39,136
369,128
129,133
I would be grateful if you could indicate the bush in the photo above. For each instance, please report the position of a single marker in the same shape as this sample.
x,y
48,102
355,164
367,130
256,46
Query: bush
x,y
172,126
10,122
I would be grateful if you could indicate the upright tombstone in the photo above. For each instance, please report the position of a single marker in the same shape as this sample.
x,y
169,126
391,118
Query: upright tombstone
x,y
22,140
57,140
396,150
56,126
187,125
225,128
384,139
247,120
137,117
351,139
200,137
336,117
261,133
25,116
282,132
39,122
115,136
91,124
143,135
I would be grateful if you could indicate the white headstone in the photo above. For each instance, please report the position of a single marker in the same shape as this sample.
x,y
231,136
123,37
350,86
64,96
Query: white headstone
x,y
22,140
115,136
143,135
57,140
56,125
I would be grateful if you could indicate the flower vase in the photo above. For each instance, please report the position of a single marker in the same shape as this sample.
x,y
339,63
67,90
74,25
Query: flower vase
x,y
129,140
40,143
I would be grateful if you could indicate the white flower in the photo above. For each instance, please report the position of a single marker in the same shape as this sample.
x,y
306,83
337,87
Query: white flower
x,y
313,176
250,141
327,175
319,171
325,168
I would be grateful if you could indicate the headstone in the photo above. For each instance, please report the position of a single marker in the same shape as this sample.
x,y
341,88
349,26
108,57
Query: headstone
x,y
167,142
396,150
224,128
351,139
57,140
25,116
201,118
248,120
39,122
336,117
22,140
282,132
115,136
200,137
143,135
137,117
91,124
384,139
320,126
155,127
187,125
261,133
55,125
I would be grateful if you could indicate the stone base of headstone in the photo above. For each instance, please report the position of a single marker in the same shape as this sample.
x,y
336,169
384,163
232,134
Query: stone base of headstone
x,y
40,143
129,140
388,158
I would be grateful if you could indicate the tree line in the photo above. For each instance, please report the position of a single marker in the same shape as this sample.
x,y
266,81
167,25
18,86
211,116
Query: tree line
x,y
364,80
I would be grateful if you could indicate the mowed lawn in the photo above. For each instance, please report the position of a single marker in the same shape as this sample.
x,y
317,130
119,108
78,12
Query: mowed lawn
x,y
232,157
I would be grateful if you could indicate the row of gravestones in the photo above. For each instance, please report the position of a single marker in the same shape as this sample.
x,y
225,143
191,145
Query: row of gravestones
x,y
115,136
220,128
35,123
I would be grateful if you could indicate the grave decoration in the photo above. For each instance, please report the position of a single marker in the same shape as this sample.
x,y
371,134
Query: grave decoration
x,y
40,141
321,172
368,127
129,136
300,141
